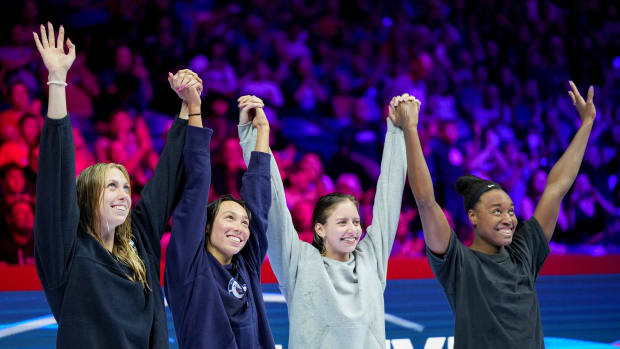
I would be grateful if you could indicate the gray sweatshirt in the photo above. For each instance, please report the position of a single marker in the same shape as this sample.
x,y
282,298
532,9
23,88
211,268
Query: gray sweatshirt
x,y
333,304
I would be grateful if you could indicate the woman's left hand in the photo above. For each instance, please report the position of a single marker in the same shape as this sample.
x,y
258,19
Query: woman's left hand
x,y
53,53
586,109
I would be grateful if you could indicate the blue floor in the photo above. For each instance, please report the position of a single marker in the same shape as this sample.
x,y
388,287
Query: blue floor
x,y
577,312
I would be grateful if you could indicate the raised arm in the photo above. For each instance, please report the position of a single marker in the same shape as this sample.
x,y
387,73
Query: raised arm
x,y
565,171
284,244
163,190
388,198
181,84
190,216
434,223
57,214
256,186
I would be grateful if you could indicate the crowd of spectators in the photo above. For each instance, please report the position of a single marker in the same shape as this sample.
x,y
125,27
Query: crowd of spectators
x,y
491,75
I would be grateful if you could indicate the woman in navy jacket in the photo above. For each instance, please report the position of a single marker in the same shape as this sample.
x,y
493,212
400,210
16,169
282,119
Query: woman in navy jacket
x,y
98,264
214,258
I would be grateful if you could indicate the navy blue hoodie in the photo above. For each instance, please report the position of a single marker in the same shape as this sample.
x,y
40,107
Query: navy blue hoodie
x,y
216,306
93,301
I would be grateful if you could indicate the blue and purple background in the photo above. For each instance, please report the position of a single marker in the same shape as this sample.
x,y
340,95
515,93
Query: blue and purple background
x,y
492,77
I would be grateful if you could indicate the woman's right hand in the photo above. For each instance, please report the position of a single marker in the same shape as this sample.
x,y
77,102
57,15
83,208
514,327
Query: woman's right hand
x,y
52,51
251,109
187,85
404,110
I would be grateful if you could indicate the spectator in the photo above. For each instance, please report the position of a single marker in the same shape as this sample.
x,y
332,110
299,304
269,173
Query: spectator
x,y
312,166
534,193
299,187
20,103
17,244
333,67
127,84
409,242
228,168
259,83
14,185
83,156
30,129
82,88
302,220
589,212
219,76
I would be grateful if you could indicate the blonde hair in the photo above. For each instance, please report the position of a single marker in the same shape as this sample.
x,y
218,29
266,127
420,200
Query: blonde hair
x,y
90,187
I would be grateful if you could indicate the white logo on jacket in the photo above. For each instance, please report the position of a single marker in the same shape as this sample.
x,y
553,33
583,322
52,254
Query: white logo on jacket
x,y
235,289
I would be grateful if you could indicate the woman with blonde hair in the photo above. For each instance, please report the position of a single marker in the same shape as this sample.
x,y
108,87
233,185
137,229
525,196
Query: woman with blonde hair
x,y
99,265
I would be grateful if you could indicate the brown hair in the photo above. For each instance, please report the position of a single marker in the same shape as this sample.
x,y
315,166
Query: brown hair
x,y
323,208
90,187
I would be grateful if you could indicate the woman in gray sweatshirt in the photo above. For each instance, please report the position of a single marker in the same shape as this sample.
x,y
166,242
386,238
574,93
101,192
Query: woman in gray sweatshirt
x,y
334,288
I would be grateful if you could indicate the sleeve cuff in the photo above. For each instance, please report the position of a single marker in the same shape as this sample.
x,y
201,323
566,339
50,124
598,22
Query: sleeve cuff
x,y
198,139
391,128
542,239
178,120
61,121
433,257
259,162
246,132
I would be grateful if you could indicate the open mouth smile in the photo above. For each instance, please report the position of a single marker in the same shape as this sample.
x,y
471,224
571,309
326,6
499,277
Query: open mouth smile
x,y
349,240
120,208
236,240
505,231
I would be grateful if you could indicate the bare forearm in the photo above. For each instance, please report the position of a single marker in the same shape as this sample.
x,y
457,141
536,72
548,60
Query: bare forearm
x,y
57,104
434,222
195,118
184,113
417,169
565,171
262,139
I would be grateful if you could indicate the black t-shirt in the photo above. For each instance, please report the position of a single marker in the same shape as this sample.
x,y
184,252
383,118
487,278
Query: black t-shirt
x,y
493,296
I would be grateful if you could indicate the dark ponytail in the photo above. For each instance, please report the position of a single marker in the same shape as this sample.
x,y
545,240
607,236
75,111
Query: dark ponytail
x,y
471,188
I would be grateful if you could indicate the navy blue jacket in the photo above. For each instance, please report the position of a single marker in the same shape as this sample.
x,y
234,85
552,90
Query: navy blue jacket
x,y
205,314
93,301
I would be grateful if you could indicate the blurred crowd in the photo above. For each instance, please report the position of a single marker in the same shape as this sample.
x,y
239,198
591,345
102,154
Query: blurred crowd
x,y
491,75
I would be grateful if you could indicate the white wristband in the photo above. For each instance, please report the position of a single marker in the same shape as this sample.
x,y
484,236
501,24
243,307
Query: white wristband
x,y
61,83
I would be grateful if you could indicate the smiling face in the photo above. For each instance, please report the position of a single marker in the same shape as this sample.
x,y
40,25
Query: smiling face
x,y
494,221
229,231
115,199
342,230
